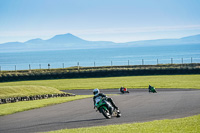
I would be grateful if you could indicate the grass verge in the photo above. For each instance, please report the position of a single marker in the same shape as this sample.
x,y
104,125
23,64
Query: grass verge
x,y
181,125
26,90
162,81
11,108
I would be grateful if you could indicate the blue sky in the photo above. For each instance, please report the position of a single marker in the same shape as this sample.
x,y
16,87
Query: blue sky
x,y
95,20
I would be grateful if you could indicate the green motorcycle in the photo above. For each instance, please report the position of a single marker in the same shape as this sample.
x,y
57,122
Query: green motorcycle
x,y
106,109
152,89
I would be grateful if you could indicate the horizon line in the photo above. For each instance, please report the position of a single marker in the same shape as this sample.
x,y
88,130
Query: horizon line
x,y
97,40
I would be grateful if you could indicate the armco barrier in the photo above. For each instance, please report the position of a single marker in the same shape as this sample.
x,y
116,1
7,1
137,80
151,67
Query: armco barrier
x,y
36,97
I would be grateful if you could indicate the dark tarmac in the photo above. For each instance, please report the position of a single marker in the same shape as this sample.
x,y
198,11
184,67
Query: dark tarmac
x,y
137,106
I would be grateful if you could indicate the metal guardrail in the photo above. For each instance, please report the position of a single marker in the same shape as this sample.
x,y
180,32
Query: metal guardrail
x,y
143,62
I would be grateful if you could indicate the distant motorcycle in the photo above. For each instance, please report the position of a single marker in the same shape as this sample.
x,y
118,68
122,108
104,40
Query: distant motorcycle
x,y
152,89
123,90
106,109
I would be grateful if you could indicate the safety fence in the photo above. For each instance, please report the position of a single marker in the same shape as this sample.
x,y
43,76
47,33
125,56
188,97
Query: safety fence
x,y
31,66
106,71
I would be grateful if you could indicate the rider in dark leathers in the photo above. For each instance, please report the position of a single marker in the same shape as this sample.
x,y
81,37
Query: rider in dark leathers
x,y
97,93
123,90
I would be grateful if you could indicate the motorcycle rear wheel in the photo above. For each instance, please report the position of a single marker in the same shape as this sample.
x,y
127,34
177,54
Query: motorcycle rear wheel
x,y
119,114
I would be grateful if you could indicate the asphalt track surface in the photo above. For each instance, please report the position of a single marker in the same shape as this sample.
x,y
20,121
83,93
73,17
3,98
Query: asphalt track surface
x,y
137,106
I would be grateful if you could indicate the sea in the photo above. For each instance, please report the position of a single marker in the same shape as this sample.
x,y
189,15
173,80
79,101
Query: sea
x,y
100,57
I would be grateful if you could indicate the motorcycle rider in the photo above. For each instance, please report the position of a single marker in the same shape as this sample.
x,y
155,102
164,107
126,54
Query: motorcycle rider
x,y
97,94
152,89
149,88
122,89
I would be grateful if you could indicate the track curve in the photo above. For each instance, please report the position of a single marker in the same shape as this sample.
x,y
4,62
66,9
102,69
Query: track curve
x,y
138,106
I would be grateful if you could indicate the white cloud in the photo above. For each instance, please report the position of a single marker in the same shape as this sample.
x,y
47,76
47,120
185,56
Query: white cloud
x,y
99,31
137,30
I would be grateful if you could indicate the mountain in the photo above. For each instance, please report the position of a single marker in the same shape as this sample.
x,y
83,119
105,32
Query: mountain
x,y
37,40
182,41
58,42
193,39
66,38
69,41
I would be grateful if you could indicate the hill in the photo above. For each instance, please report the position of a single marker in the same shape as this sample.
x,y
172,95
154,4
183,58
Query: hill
x,y
182,41
69,41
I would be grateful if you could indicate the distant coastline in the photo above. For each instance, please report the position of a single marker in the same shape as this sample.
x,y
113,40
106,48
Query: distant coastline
x,y
69,41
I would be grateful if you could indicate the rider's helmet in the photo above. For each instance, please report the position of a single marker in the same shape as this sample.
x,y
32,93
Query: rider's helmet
x,y
96,92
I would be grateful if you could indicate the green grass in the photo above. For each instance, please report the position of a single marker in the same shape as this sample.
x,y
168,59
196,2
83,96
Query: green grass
x,y
26,90
188,124
162,81
181,125
11,108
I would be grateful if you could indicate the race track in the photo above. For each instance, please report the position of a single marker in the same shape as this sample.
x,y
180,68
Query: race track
x,y
138,106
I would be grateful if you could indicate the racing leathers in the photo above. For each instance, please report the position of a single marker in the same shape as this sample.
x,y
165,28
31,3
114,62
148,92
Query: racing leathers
x,y
100,95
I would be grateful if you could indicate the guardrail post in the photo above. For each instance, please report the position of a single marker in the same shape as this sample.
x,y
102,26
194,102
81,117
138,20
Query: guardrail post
x,y
78,65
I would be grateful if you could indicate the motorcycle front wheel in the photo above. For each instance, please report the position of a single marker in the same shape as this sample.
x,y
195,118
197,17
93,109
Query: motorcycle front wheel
x,y
105,113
